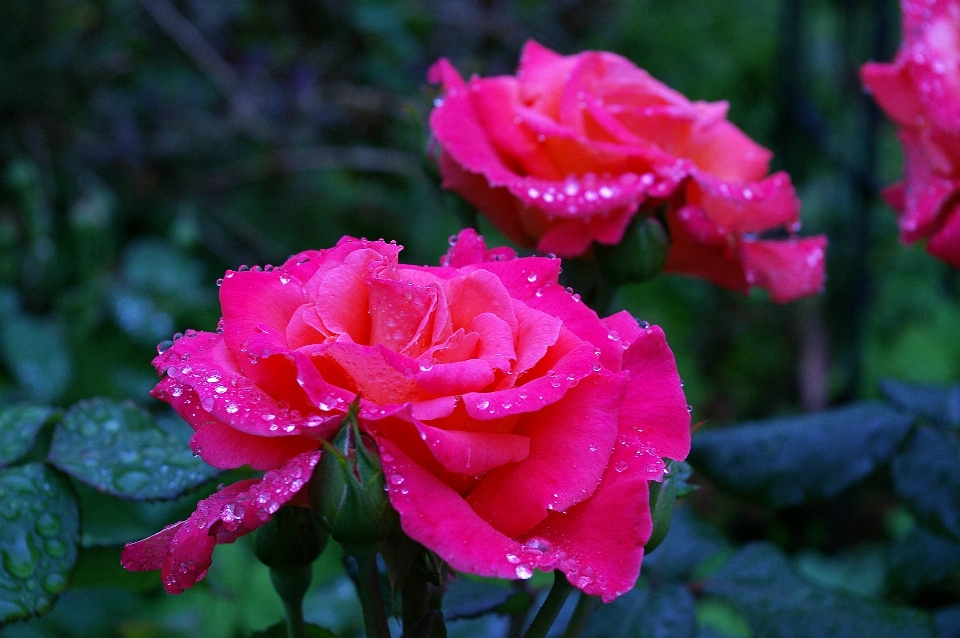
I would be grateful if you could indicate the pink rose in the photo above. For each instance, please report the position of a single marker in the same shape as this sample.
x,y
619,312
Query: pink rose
x,y
920,91
516,429
569,150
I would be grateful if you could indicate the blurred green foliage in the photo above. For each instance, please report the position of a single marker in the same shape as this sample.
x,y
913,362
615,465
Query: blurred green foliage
x,y
147,146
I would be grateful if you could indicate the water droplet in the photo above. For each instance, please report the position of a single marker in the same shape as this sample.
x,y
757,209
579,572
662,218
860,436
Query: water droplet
x,y
621,466
513,559
483,404
20,556
55,547
524,572
532,277
426,366
54,583
396,479
48,524
133,481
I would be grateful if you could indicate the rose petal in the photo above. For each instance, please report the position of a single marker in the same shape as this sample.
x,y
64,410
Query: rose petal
x,y
224,447
925,191
789,269
607,564
208,385
469,248
475,293
570,443
184,550
945,243
654,405
892,88
700,249
436,516
746,207
474,452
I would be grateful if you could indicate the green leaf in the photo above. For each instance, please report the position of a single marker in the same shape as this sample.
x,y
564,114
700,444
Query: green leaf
x,y
116,448
858,569
280,631
36,351
932,401
665,611
468,597
38,539
689,543
926,474
778,603
19,425
791,460
922,559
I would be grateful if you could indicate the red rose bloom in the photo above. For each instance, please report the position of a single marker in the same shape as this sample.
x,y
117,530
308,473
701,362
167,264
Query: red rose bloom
x,y
517,430
567,152
920,91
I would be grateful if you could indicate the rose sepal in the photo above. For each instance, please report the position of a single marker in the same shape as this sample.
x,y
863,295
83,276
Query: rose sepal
x,y
639,256
348,492
663,496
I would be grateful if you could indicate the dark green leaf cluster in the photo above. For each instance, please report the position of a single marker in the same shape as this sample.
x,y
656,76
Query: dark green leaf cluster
x,y
115,448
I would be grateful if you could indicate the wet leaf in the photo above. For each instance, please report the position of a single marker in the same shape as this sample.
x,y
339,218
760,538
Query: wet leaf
x,y
922,559
791,460
941,403
38,539
36,351
116,448
689,543
778,603
664,611
926,474
19,425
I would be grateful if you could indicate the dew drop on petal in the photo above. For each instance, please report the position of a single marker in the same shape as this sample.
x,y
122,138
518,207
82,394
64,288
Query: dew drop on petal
x,y
524,572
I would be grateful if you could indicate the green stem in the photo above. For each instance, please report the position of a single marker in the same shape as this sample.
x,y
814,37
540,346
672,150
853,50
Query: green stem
x,y
371,595
291,584
581,614
413,596
551,607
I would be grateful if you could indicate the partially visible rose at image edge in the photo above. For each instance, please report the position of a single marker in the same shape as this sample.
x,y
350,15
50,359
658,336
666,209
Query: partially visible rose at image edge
x,y
517,430
570,149
920,92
